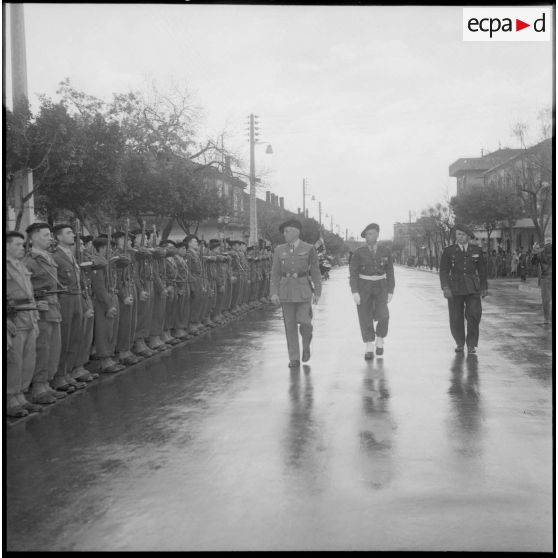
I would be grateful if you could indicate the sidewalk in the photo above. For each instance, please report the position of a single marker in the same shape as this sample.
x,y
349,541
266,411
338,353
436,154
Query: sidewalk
x,y
530,286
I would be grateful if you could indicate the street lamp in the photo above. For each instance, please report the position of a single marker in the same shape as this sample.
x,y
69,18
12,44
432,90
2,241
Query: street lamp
x,y
253,203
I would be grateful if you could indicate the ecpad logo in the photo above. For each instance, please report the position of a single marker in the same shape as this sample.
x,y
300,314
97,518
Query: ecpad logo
x,y
507,24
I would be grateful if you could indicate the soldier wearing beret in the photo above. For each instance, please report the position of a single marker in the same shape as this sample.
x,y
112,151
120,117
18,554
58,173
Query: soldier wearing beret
x,y
209,294
105,303
196,283
160,294
69,275
372,283
219,281
463,281
170,276
127,300
295,263
22,328
44,278
183,293
143,278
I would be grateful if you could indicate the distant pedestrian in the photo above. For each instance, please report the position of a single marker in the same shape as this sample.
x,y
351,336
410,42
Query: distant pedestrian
x,y
542,257
295,263
463,281
522,264
514,262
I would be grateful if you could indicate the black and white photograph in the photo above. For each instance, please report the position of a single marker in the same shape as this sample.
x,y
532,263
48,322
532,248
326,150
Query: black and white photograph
x,y
279,277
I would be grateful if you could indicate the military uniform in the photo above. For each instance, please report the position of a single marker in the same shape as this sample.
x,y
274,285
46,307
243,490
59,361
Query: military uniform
x,y
183,298
143,279
372,277
105,298
23,331
171,274
44,277
159,300
463,279
196,290
293,267
69,276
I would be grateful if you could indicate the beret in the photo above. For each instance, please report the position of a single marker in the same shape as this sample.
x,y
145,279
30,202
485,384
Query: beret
x,y
37,227
86,238
190,237
370,227
167,243
101,240
290,223
464,228
118,234
14,234
180,245
234,242
213,243
61,226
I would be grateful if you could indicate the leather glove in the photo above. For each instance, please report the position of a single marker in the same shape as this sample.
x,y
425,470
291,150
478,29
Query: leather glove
x,y
356,298
89,313
390,296
447,292
42,305
128,300
144,295
111,312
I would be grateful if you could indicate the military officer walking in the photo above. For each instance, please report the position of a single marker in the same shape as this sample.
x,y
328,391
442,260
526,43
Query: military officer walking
x,y
463,281
372,283
294,264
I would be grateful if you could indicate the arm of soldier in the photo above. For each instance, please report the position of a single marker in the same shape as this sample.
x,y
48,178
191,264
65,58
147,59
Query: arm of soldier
x,y
315,273
390,276
158,285
354,266
275,277
444,274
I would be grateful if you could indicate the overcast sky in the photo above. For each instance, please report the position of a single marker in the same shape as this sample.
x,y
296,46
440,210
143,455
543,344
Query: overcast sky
x,y
371,104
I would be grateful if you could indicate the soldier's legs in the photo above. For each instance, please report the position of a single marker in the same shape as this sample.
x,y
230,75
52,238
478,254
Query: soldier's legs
x,y
84,350
456,307
473,313
365,311
380,309
21,360
124,342
48,355
70,332
291,329
304,318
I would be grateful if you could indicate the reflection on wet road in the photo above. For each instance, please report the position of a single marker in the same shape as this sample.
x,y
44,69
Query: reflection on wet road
x,y
220,446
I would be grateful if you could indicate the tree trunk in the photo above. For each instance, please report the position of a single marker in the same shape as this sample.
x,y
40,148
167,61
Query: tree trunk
x,y
167,228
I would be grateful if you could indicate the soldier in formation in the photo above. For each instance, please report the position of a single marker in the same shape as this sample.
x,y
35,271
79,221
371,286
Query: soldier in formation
x,y
114,300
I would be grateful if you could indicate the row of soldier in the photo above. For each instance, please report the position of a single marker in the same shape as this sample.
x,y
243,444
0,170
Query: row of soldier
x,y
118,298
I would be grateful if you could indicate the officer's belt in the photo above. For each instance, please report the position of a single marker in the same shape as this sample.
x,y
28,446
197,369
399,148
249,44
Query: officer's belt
x,y
372,277
295,275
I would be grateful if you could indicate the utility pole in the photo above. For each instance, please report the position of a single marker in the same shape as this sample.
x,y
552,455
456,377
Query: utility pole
x,y
24,181
253,204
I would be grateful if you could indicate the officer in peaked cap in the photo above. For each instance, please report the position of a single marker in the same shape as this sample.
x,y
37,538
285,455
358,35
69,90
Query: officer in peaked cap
x,y
463,282
294,264
372,283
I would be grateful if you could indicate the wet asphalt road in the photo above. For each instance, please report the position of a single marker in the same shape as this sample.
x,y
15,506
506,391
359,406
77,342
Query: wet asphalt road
x,y
219,446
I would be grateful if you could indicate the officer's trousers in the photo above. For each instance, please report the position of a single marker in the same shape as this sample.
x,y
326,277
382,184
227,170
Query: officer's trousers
x,y
295,313
183,309
235,291
70,331
546,295
373,307
48,352
196,303
219,304
145,313
20,361
465,308
106,329
228,295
